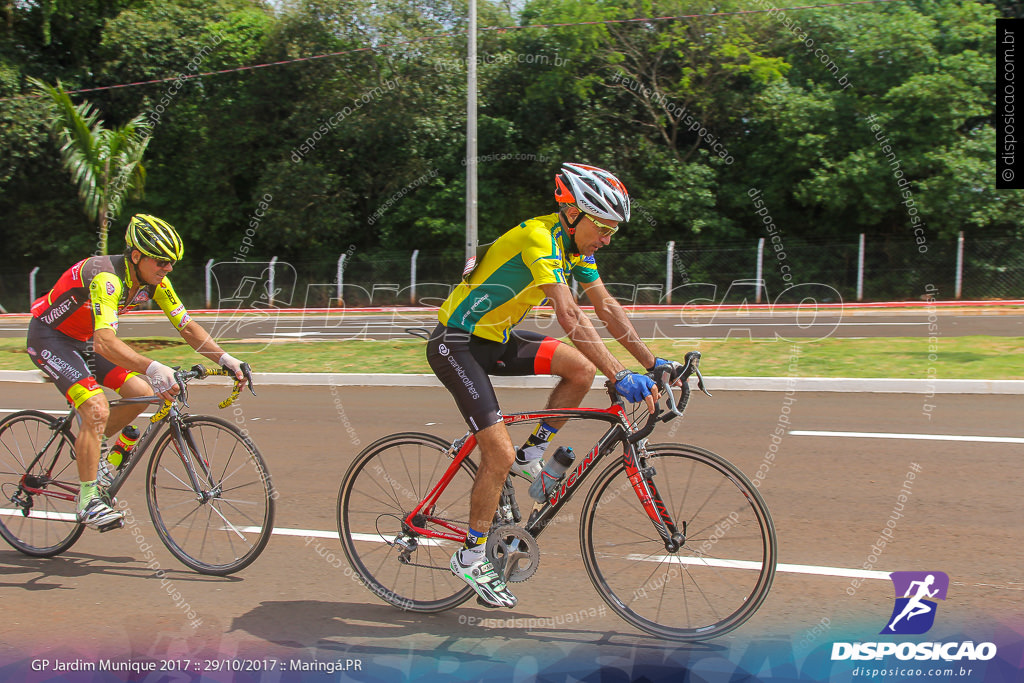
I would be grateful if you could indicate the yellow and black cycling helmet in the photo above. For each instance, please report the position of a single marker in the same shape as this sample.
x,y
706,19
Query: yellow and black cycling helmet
x,y
154,237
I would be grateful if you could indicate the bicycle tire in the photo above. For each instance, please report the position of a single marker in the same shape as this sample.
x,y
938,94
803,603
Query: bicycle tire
x,y
715,581
384,483
51,525
237,484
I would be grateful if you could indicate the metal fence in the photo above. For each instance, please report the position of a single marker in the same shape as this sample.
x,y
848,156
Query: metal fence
x,y
867,270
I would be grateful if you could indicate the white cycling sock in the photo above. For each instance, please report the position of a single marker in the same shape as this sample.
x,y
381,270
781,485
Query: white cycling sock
x,y
471,555
537,443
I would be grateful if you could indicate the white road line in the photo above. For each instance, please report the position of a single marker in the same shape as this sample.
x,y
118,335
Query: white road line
x,y
732,564
744,564
334,534
54,412
741,323
676,559
918,437
41,514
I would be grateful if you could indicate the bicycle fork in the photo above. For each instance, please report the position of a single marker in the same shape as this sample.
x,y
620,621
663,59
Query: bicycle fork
x,y
642,479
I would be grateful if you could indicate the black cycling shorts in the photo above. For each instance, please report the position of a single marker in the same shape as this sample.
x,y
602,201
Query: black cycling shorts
x,y
73,366
463,362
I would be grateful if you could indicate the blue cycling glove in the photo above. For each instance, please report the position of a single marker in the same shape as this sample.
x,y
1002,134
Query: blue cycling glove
x,y
633,386
657,362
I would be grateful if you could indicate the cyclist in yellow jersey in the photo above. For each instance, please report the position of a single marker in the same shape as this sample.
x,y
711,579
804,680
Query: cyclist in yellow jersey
x,y
72,337
476,337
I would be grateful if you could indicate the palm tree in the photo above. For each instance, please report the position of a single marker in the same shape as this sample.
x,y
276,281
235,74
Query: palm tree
x,y
105,164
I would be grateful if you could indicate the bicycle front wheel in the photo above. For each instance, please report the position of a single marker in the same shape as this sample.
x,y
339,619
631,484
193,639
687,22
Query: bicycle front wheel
x,y
722,572
37,501
384,484
221,523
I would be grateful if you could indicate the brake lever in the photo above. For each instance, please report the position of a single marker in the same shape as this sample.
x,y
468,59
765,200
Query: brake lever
x,y
247,373
179,377
673,406
700,382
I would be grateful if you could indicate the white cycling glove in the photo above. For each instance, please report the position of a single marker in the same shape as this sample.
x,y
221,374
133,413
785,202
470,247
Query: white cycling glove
x,y
160,376
230,362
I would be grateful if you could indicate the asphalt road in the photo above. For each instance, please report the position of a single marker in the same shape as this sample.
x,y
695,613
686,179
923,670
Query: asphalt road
x,y
831,496
810,323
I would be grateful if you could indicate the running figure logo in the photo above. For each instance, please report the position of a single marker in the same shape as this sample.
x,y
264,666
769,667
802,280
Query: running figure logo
x,y
914,613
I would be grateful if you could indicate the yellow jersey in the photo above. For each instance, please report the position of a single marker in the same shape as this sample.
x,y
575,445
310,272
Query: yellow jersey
x,y
506,283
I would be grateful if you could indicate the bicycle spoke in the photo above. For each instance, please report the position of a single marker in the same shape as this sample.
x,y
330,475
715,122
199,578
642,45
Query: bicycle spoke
x,y
709,585
51,526
187,485
388,479
223,527
231,526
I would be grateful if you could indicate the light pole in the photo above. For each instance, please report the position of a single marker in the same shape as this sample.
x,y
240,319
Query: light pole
x,y
471,155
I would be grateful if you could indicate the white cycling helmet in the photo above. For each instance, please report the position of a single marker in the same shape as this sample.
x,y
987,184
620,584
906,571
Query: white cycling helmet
x,y
594,190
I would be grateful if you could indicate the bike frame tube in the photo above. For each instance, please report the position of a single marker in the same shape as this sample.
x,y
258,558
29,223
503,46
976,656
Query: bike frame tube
x,y
426,506
70,491
169,414
618,431
148,436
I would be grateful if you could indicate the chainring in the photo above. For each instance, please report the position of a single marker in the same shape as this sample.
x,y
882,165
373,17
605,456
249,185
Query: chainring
x,y
513,551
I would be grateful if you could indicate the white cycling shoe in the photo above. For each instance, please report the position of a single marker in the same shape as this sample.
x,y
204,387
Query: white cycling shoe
x,y
480,575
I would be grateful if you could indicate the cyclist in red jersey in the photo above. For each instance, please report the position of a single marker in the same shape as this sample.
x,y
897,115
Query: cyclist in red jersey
x,y
72,337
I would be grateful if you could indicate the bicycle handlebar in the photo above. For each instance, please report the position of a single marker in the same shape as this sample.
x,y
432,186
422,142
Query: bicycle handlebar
x,y
665,376
183,377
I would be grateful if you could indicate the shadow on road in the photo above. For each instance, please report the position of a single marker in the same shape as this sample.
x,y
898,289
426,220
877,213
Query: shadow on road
x,y
332,626
71,565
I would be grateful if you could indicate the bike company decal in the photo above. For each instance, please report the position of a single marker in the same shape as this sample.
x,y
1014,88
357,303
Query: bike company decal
x,y
913,614
574,476
442,349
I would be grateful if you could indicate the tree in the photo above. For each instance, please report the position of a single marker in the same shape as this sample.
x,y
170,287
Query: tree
x,y
105,163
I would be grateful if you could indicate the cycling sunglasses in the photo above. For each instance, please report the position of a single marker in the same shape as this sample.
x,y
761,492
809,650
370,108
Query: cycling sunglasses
x,y
605,230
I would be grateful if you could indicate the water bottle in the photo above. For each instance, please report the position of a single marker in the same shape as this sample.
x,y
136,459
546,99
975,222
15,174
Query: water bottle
x,y
122,448
552,473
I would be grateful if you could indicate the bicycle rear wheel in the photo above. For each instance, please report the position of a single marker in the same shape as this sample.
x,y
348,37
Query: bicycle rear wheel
x,y
387,480
720,575
224,525
43,523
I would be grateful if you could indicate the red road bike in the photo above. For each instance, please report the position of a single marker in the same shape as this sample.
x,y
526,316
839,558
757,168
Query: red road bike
x,y
689,556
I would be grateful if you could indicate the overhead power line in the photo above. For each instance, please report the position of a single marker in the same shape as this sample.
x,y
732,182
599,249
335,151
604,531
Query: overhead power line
x,y
374,48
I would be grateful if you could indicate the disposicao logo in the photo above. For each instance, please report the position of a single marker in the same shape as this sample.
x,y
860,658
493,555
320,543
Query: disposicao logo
x,y
914,612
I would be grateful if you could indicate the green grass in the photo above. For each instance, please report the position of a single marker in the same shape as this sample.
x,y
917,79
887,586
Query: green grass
x,y
901,357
